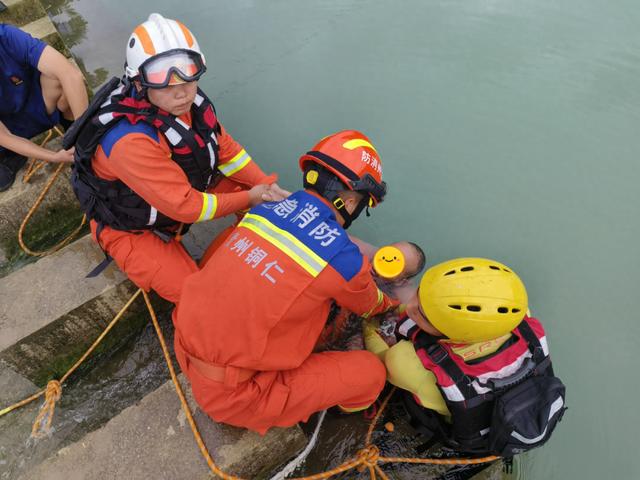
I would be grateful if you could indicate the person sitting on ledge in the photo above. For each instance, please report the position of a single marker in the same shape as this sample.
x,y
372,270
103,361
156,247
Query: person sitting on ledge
x,y
39,89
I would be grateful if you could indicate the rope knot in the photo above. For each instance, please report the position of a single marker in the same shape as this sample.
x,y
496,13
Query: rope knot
x,y
42,423
369,455
53,391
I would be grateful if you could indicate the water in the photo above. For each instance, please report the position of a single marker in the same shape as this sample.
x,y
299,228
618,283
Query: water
x,y
101,389
507,129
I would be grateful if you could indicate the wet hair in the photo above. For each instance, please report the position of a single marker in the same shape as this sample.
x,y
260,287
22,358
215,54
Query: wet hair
x,y
422,260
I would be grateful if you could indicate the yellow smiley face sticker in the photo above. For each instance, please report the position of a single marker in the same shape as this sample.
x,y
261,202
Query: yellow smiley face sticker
x,y
388,262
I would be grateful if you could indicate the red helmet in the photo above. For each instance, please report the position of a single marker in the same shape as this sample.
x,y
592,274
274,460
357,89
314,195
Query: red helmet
x,y
351,157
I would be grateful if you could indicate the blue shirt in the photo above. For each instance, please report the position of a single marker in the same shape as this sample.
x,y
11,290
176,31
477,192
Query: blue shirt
x,y
19,56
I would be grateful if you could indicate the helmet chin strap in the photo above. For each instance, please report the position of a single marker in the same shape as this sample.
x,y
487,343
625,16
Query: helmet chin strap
x,y
341,207
329,186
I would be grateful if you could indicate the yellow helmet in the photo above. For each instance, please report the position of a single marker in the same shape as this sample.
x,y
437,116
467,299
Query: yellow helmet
x,y
473,299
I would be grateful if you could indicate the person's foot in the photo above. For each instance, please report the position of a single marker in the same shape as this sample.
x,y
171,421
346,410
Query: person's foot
x,y
10,164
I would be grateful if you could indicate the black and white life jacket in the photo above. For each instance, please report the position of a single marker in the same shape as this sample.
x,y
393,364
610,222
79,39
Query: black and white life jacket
x,y
111,202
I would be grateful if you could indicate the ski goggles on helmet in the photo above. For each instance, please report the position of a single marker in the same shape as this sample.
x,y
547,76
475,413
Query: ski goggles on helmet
x,y
368,184
171,67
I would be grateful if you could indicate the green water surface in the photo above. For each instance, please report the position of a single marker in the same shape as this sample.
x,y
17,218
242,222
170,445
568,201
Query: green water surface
x,y
507,130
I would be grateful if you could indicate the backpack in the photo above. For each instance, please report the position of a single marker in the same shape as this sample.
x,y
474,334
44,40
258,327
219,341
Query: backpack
x,y
513,415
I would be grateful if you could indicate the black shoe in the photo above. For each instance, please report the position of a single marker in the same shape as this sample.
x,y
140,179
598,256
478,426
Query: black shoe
x,y
10,164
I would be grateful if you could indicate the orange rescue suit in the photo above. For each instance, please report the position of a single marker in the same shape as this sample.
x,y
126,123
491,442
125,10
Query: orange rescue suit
x,y
139,156
257,308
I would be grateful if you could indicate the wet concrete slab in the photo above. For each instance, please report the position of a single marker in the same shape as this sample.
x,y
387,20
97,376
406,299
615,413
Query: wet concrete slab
x,y
16,202
40,28
40,293
153,440
51,313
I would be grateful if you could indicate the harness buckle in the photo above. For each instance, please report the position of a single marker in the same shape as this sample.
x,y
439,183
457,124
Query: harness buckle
x,y
437,353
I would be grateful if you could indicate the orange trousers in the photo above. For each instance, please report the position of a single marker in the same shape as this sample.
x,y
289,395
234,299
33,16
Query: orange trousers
x,y
150,262
352,380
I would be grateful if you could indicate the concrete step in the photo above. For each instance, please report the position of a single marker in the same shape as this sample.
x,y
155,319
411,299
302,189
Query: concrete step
x,y
57,216
52,313
153,440
31,16
60,204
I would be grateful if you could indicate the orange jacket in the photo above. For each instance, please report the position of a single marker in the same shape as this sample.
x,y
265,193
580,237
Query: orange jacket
x,y
262,300
141,158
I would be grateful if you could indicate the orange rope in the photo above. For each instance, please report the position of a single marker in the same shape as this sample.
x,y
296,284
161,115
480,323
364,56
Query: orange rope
x,y
30,171
368,458
35,165
53,390
377,416
440,461
42,423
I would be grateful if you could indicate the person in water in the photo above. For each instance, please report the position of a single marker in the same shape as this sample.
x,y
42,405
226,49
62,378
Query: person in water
x,y
465,342
246,324
394,268
152,158
39,89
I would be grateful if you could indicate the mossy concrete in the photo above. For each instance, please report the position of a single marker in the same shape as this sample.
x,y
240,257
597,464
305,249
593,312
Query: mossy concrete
x,y
154,440
21,13
31,16
52,313
57,216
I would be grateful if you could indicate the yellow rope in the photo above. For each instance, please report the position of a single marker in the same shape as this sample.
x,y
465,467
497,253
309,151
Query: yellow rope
x,y
34,167
42,424
368,458
53,389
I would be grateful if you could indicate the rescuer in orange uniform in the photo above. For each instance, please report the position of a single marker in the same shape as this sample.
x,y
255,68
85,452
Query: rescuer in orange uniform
x,y
152,158
247,323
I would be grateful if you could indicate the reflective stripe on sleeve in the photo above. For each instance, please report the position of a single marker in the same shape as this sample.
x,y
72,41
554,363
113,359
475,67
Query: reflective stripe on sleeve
x,y
236,164
284,241
380,299
209,206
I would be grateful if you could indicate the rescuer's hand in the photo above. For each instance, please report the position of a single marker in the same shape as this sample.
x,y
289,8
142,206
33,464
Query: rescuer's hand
x,y
278,192
259,194
63,156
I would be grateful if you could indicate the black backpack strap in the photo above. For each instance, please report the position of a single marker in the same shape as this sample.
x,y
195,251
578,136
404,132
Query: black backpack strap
x,y
98,269
441,357
71,135
532,340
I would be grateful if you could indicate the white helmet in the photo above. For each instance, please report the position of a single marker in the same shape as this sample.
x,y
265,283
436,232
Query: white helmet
x,y
162,49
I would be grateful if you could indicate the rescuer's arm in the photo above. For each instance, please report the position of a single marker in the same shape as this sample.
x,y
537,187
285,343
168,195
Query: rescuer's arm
x,y
236,164
361,295
146,167
53,64
405,370
26,147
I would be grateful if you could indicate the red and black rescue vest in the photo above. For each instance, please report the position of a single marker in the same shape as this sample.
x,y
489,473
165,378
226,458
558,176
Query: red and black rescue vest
x,y
471,388
111,202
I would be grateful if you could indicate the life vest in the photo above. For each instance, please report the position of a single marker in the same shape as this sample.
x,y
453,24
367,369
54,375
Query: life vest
x,y
471,389
111,202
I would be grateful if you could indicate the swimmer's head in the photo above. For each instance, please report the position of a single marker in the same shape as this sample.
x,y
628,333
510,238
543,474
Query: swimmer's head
x,y
399,261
